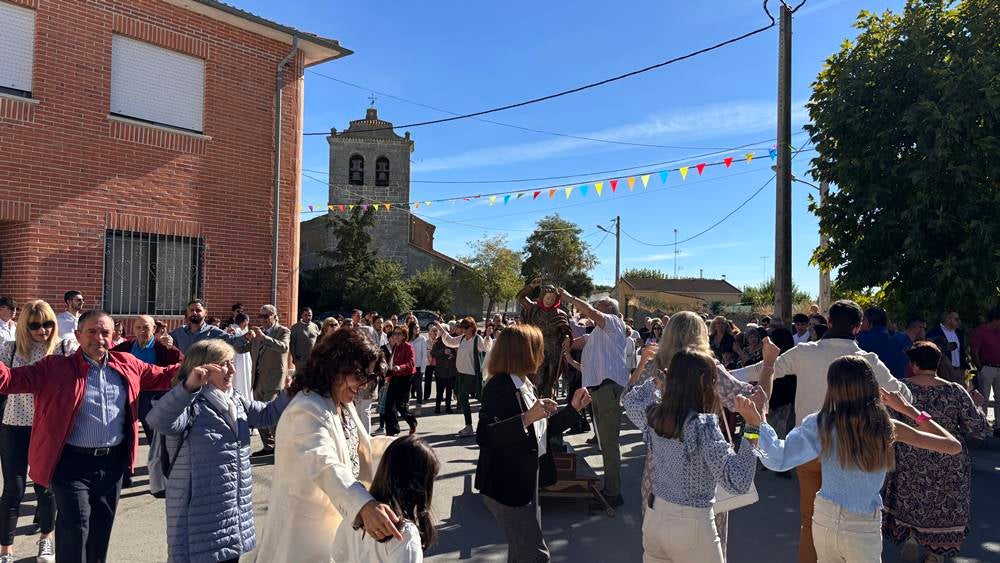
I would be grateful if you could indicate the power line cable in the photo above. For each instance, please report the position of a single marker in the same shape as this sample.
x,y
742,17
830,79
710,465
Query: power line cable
x,y
585,86
511,125
593,173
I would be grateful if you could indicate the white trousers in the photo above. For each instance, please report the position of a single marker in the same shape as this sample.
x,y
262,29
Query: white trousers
x,y
680,534
842,536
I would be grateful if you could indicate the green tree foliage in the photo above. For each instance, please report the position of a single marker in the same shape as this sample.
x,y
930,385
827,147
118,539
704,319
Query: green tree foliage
x,y
383,289
556,253
761,296
906,119
431,289
645,274
494,269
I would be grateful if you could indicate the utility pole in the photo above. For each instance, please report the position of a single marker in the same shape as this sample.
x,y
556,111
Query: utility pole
x,y
675,253
783,203
824,274
618,260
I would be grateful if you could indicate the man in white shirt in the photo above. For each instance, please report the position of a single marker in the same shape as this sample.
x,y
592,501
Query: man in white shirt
x,y
802,333
8,327
67,319
810,362
950,323
605,373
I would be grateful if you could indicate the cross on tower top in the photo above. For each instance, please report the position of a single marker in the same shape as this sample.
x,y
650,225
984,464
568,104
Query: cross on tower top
x,y
372,99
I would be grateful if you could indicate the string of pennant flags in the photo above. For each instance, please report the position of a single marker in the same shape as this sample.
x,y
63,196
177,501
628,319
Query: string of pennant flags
x,y
547,192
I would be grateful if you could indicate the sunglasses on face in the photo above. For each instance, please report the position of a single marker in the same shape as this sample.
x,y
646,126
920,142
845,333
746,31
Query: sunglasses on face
x,y
49,325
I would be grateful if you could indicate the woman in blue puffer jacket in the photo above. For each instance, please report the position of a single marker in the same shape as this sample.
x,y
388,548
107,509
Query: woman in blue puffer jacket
x,y
207,425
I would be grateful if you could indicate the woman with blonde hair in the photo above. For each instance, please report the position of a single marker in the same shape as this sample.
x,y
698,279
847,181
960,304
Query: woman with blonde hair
x,y
687,330
206,438
330,325
853,437
513,431
34,338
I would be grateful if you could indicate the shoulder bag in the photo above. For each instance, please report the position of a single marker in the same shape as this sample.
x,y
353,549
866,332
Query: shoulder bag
x,y
724,500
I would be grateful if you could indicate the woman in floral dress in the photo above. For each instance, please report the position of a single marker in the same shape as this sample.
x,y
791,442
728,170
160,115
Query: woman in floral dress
x,y
927,498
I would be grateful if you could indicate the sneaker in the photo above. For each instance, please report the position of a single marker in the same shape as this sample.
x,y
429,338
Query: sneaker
x,y
466,432
46,551
263,452
9,558
413,429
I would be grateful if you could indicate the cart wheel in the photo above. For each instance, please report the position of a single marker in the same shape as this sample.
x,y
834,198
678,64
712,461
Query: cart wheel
x,y
611,512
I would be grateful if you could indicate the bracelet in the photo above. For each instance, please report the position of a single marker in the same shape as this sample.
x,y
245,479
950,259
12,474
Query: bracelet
x,y
923,417
765,366
751,435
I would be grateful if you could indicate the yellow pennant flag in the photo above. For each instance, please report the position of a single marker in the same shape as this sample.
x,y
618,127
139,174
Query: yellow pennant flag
x,y
645,180
416,205
388,206
493,199
569,190
749,157
598,186
375,205
330,207
350,207
631,182
427,203
684,172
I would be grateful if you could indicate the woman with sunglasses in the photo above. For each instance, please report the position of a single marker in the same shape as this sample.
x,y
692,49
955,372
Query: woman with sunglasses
x,y
35,339
324,456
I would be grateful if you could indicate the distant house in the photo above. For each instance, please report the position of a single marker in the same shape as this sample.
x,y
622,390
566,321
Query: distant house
x,y
695,294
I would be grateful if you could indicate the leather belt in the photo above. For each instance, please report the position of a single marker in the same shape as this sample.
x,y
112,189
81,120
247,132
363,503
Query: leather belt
x,y
94,452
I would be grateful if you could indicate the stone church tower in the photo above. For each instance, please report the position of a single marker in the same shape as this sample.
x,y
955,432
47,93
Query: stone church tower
x,y
370,163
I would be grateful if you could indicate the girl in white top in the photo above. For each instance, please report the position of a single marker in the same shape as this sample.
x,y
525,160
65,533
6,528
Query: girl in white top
x,y
405,482
420,351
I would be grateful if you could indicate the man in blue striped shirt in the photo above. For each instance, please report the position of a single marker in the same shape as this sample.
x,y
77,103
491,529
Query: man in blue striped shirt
x,y
605,373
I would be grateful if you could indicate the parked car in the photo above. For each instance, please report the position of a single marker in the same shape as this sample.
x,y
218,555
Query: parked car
x,y
424,318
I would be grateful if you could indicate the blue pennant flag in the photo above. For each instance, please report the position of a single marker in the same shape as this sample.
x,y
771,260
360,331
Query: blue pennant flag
x,y
663,177
583,190
773,153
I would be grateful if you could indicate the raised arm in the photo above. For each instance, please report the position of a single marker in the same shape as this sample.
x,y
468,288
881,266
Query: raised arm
x,y
447,339
586,309
732,470
522,296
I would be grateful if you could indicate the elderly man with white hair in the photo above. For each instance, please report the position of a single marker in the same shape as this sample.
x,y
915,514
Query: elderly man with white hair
x,y
268,344
605,373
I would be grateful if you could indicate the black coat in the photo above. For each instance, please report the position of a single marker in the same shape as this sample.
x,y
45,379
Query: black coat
x,y
508,453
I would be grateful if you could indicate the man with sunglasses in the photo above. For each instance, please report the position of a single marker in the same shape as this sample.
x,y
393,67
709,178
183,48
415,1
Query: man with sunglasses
x,y
8,327
268,344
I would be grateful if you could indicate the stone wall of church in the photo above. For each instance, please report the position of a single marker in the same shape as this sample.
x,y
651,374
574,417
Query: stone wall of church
x,y
391,232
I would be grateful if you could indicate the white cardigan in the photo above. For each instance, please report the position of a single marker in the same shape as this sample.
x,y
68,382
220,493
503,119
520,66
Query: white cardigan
x,y
313,487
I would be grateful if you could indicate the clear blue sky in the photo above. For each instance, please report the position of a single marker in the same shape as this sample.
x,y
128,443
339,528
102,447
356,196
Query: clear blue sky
x,y
467,56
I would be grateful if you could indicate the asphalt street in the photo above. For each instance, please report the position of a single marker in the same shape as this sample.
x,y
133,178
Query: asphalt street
x,y
766,531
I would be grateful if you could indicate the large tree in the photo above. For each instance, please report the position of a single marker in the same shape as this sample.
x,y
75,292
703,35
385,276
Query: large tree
x,y
495,269
906,119
556,252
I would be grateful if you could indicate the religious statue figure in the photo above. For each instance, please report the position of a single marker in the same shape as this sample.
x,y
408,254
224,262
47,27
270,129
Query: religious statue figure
x,y
546,314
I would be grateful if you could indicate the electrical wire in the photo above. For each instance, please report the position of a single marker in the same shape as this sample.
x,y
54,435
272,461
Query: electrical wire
x,y
511,125
593,173
531,101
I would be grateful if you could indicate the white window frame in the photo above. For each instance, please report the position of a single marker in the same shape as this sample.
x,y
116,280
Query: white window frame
x,y
17,49
156,85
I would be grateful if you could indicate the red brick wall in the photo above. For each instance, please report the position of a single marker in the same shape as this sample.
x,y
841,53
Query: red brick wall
x,y
71,169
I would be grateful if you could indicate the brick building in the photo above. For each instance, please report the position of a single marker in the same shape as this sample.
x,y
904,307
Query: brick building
x,y
137,153
369,162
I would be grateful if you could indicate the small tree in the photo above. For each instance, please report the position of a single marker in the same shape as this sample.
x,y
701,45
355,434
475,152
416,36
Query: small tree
x,y
431,289
383,289
494,270
348,264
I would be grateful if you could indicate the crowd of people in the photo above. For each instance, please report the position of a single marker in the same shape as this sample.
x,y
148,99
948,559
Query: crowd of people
x,y
870,416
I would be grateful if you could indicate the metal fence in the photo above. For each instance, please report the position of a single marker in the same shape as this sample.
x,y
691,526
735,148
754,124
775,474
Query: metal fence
x,y
146,273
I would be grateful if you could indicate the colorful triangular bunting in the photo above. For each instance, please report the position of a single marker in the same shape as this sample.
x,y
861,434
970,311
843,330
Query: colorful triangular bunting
x,y
700,167
749,157
506,199
598,187
535,195
631,182
663,176
614,185
728,161
645,180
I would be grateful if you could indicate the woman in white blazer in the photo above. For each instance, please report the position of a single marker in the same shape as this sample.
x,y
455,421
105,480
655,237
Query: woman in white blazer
x,y
324,457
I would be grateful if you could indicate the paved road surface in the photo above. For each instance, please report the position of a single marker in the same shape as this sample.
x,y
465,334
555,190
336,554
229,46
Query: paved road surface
x,y
767,531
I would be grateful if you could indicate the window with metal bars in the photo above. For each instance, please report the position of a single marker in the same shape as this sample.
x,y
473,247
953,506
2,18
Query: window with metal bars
x,y
152,274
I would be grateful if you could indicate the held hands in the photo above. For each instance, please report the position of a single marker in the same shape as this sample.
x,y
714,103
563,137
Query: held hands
x,y
565,295
543,408
199,376
749,411
581,399
167,340
895,401
770,351
379,521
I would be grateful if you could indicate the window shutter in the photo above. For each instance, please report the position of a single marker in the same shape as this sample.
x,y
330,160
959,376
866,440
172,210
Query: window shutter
x,y
156,84
17,46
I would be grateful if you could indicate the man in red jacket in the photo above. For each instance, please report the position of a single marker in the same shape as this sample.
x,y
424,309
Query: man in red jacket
x,y
85,431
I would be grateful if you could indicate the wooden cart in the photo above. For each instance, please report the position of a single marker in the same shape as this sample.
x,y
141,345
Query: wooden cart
x,y
575,479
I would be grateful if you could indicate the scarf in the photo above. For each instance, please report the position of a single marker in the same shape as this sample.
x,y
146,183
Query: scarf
x,y
223,401
541,305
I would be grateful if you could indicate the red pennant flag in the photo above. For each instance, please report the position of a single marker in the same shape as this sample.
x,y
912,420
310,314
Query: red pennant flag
x,y
341,207
727,161
535,195
701,168
614,185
